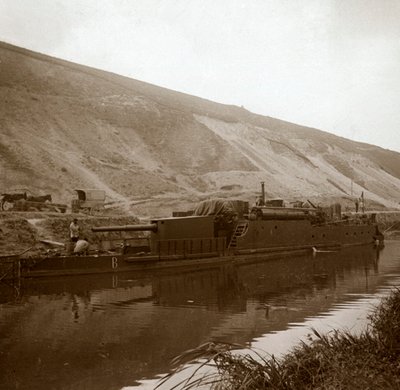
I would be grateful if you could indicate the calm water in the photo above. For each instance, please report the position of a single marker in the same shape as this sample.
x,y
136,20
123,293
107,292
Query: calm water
x,y
116,331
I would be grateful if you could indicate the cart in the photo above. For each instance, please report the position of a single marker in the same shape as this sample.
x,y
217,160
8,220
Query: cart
x,y
88,201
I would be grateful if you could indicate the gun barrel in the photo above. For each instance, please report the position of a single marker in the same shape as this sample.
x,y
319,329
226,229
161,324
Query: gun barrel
x,y
126,228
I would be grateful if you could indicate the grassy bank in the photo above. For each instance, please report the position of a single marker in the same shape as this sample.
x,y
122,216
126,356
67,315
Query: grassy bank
x,y
340,360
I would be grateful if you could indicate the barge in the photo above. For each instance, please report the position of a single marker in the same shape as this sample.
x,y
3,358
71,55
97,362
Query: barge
x,y
216,232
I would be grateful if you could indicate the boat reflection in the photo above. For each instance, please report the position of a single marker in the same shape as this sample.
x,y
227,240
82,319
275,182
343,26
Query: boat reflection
x,y
109,331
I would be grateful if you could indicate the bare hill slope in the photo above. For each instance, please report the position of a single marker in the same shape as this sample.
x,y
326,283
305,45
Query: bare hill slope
x,y
66,126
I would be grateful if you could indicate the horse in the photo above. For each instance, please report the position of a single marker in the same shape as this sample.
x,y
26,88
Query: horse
x,y
40,198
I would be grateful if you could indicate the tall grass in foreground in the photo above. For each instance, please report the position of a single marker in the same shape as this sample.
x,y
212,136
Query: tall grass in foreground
x,y
338,360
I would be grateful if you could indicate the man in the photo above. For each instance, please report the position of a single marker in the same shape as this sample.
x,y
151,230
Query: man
x,y
74,230
259,201
81,247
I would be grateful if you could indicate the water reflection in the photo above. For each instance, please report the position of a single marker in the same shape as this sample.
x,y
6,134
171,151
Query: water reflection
x,y
110,331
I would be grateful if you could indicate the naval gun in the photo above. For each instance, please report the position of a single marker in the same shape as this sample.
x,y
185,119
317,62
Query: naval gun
x,y
172,228
127,228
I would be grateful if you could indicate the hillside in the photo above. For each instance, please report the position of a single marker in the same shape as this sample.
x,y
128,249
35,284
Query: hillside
x,y
66,126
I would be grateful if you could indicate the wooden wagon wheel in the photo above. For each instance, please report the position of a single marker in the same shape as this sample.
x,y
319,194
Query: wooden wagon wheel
x,y
7,206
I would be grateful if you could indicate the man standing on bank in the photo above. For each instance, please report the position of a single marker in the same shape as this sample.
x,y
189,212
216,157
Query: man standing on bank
x,y
74,230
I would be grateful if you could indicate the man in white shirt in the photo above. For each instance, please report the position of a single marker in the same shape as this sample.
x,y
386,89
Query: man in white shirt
x,y
74,230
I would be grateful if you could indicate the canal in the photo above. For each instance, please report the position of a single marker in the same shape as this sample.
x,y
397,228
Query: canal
x,y
118,331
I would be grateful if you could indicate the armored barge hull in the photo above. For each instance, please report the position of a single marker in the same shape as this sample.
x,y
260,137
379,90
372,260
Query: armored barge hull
x,y
204,241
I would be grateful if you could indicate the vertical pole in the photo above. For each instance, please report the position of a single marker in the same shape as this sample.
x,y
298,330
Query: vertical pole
x,y
262,194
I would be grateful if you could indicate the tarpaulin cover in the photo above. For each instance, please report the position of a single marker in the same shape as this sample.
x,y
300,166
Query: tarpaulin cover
x,y
219,207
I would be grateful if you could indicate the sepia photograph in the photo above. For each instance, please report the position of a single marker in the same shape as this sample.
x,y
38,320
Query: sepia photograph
x,y
199,194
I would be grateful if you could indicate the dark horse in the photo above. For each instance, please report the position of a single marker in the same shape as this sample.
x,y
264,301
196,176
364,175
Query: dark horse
x,y
41,198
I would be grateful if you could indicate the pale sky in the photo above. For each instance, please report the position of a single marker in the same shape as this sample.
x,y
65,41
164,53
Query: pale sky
x,y
329,64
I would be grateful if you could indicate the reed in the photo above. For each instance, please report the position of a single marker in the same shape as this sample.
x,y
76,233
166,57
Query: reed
x,y
338,360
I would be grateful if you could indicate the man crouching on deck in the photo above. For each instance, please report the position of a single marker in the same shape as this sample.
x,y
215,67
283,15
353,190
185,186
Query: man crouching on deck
x,y
82,247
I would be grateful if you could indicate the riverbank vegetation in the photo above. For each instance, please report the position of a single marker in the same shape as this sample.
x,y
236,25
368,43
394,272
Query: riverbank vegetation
x,y
338,360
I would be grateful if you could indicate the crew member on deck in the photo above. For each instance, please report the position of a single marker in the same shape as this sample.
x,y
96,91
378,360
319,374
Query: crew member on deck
x,y
259,201
82,247
74,230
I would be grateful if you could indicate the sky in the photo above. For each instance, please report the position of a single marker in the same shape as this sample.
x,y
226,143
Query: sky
x,y
329,64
